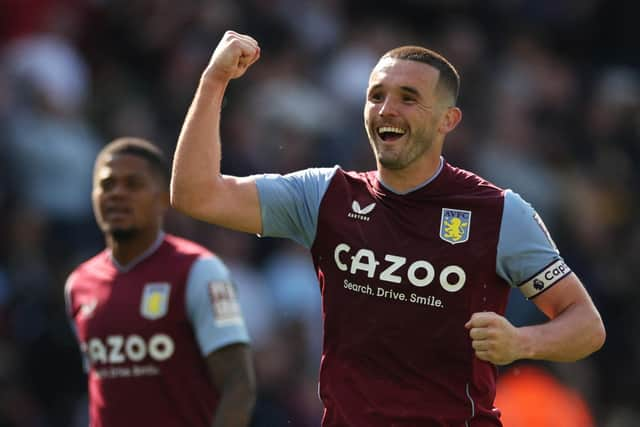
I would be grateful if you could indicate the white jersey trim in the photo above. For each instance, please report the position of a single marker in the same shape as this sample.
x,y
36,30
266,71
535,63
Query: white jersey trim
x,y
137,260
473,405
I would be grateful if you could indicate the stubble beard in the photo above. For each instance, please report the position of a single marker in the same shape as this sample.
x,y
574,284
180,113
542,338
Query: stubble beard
x,y
408,154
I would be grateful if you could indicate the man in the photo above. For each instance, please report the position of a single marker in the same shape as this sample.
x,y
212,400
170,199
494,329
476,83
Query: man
x,y
156,316
415,260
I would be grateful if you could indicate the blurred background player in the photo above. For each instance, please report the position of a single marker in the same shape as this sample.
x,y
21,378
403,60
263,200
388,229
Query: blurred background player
x,y
156,316
415,259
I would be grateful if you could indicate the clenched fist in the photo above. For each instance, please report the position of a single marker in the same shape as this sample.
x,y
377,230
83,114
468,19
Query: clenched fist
x,y
494,338
233,56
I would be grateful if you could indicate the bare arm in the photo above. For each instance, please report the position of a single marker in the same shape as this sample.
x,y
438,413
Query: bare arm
x,y
231,370
574,331
198,188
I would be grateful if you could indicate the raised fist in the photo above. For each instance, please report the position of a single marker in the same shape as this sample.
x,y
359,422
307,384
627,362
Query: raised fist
x,y
233,55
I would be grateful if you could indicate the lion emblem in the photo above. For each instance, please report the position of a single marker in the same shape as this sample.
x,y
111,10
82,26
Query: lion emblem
x,y
454,225
454,229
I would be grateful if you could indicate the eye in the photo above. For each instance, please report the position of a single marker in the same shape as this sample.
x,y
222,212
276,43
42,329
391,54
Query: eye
x,y
408,99
106,184
375,97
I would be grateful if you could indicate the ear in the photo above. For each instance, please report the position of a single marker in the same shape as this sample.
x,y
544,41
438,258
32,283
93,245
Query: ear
x,y
450,120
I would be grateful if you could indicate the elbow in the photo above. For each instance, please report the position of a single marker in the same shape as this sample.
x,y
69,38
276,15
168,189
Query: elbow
x,y
194,195
177,198
596,337
599,335
184,198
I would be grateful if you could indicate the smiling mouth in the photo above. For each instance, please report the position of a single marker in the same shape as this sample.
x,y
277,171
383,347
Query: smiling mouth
x,y
390,133
118,212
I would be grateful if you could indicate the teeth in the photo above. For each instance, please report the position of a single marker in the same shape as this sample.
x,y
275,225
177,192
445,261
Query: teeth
x,y
391,129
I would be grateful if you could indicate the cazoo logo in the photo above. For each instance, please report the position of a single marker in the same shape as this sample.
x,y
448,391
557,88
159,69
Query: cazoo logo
x,y
419,273
117,349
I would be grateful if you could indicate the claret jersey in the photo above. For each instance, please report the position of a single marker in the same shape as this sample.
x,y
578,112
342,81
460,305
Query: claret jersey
x,y
145,330
400,275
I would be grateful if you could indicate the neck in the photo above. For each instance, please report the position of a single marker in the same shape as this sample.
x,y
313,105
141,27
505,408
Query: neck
x,y
125,251
410,177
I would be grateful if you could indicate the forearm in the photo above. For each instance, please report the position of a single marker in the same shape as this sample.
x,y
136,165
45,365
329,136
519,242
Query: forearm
x,y
235,407
196,165
197,187
571,335
231,370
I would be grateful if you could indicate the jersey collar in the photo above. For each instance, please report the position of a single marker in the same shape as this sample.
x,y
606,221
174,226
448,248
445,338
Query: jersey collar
x,y
419,186
144,255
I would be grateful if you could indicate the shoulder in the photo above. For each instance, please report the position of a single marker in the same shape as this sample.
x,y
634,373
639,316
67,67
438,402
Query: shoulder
x,y
200,261
177,255
308,175
181,247
89,268
470,182
354,178
364,176
294,186
518,213
470,179
208,267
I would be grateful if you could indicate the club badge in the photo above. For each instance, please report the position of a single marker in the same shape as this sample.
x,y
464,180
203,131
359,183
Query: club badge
x,y
455,225
155,300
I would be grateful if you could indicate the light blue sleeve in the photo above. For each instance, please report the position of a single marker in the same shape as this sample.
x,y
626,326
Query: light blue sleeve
x,y
527,256
212,306
290,203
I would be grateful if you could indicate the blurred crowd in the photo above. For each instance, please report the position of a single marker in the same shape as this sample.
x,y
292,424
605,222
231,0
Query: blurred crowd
x,y
550,97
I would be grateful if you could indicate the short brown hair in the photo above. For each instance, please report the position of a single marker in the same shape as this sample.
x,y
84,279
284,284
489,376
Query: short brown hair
x,y
449,78
141,148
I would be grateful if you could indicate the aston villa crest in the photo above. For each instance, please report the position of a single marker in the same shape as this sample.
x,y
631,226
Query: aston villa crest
x,y
455,225
155,300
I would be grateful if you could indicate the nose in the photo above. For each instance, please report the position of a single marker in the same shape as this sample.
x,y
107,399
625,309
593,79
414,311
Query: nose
x,y
118,189
387,108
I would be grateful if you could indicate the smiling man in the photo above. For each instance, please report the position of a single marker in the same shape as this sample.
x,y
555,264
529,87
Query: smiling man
x,y
402,120
415,259
156,317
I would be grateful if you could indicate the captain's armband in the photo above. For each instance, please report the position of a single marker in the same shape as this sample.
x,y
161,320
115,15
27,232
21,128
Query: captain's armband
x,y
544,279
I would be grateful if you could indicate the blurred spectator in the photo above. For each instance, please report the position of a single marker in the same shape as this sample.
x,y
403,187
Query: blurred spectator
x,y
529,396
292,281
50,144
